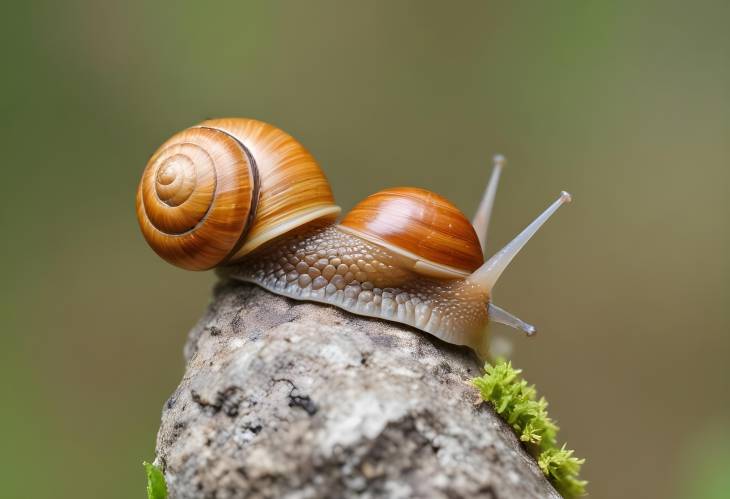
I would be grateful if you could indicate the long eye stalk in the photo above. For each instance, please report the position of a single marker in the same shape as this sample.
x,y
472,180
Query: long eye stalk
x,y
487,275
480,222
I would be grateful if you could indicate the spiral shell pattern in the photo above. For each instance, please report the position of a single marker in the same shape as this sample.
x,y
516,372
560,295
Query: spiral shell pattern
x,y
219,190
294,190
196,199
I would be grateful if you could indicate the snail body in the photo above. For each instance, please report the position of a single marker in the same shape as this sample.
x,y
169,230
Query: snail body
x,y
245,197
325,264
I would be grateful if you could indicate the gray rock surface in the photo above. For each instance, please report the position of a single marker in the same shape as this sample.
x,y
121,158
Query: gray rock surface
x,y
290,399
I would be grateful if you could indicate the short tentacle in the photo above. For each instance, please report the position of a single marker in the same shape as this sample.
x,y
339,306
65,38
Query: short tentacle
x,y
497,314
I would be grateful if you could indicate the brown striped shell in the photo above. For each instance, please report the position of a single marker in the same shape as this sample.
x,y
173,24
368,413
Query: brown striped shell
x,y
215,192
428,232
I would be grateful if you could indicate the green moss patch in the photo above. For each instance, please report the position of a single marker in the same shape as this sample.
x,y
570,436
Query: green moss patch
x,y
516,401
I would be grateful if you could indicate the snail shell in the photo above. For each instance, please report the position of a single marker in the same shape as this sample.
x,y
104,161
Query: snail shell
x,y
213,193
427,231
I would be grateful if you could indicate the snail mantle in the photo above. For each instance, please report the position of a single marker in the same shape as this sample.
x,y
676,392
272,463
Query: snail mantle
x,y
285,398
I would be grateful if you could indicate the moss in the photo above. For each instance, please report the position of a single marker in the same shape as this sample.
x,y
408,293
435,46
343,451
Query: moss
x,y
156,486
517,402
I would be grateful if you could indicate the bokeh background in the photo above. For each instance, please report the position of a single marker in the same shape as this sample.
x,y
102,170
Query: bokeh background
x,y
626,104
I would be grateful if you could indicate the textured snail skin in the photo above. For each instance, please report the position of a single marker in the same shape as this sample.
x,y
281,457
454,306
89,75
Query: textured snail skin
x,y
322,263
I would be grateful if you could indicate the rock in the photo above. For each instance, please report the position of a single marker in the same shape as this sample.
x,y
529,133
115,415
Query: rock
x,y
291,399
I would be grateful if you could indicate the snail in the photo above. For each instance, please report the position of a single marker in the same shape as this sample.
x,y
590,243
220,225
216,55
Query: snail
x,y
247,198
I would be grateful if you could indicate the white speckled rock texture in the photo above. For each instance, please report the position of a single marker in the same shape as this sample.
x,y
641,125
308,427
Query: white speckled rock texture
x,y
290,399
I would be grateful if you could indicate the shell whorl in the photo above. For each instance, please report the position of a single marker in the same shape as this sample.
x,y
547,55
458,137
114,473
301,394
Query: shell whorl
x,y
217,191
294,190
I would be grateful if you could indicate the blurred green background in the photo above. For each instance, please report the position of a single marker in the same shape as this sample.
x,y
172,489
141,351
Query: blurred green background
x,y
625,104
